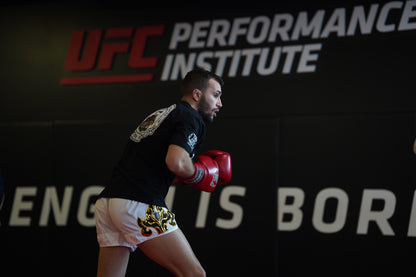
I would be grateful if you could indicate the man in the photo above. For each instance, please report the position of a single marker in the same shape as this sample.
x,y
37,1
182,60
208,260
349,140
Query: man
x,y
131,211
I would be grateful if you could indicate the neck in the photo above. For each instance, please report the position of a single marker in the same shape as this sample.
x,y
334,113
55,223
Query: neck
x,y
191,102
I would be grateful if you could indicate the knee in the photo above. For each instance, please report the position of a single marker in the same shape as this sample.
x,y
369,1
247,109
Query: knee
x,y
199,271
195,271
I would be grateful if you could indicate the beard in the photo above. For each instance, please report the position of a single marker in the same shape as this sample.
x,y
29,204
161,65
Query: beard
x,y
205,111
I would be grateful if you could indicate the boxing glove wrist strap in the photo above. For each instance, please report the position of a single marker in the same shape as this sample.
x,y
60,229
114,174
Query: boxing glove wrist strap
x,y
197,176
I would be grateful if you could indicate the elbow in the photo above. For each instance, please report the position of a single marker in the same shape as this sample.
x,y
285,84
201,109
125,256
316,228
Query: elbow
x,y
178,161
176,166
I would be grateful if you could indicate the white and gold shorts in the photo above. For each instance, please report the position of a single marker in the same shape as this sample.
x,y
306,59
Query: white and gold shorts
x,y
122,222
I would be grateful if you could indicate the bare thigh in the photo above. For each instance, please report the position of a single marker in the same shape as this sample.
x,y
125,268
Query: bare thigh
x,y
173,252
112,261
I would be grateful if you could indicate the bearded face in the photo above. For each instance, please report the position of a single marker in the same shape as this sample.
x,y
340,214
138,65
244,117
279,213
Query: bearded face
x,y
210,102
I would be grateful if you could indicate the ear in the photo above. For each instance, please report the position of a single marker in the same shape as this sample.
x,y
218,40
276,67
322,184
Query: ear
x,y
196,94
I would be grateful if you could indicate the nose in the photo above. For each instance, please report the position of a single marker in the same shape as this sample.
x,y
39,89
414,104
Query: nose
x,y
219,103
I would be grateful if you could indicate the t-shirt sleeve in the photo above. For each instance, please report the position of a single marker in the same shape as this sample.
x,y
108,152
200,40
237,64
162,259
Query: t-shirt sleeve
x,y
185,134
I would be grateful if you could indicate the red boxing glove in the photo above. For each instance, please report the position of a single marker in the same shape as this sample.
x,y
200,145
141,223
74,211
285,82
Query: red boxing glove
x,y
224,164
205,177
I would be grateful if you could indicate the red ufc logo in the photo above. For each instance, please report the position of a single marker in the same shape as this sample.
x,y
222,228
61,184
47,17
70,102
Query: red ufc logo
x,y
84,54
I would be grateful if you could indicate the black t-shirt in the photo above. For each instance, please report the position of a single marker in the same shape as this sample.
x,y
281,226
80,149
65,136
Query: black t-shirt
x,y
142,174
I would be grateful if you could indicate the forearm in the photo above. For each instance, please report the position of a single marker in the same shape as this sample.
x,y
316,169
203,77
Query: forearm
x,y
179,162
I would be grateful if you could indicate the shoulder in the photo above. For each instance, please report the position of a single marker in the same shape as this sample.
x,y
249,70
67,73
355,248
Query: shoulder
x,y
188,115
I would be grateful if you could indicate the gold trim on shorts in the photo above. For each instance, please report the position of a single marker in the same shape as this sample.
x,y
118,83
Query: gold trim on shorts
x,y
157,218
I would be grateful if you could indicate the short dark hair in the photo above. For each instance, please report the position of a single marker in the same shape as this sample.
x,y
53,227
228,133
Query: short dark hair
x,y
198,78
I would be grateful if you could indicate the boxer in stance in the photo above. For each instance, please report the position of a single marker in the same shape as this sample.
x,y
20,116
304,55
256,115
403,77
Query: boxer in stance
x,y
131,211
